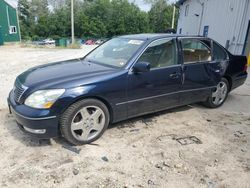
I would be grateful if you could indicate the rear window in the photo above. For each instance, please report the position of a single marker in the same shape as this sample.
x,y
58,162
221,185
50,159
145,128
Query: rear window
x,y
195,51
218,52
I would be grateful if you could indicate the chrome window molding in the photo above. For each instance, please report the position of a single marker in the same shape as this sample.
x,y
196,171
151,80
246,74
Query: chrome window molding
x,y
148,45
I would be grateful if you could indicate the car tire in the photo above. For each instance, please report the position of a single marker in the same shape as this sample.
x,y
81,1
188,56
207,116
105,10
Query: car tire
x,y
84,121
212,101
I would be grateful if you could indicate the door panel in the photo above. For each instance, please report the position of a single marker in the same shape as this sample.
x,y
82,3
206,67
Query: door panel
x,y
201,74
199,79
154,90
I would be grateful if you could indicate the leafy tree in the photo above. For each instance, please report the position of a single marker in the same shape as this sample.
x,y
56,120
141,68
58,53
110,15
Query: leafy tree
x,y
59,22
126,18
24,18
158,15
40,17
93,18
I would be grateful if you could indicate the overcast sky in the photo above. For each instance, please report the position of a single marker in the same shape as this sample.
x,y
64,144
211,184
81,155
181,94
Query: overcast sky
x,y
144,6
140,3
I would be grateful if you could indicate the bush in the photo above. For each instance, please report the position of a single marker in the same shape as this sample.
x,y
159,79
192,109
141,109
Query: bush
x,y
35,38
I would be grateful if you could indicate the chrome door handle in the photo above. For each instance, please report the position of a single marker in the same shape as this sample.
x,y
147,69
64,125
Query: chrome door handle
x,y
217,71
174,75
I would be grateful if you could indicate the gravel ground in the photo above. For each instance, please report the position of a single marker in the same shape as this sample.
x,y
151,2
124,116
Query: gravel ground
x,y
190,146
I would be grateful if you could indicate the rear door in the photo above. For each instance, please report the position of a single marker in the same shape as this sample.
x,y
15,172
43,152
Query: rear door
x,y
200,72
158,88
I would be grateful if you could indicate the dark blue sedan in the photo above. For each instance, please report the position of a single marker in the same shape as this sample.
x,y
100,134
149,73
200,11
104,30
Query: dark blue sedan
x,y
125,77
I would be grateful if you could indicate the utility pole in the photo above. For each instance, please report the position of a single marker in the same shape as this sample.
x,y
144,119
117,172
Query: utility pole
x,y
18,25
173,18
201,16
72,23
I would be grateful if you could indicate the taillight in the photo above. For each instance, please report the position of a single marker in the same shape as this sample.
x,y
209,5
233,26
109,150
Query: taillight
x,y
248,63
245,68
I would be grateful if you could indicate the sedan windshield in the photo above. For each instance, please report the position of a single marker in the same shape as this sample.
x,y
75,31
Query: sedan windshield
x,y
115,52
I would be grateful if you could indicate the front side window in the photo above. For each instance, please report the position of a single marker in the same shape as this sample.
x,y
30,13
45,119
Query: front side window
x,y
218,52
195,50
160,53
115,52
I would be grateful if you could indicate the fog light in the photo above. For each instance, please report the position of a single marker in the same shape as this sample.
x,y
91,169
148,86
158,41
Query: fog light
x,y
35,131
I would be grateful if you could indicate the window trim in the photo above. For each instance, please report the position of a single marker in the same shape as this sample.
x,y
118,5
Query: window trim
x,y
10,29
148,45
199,39
214,42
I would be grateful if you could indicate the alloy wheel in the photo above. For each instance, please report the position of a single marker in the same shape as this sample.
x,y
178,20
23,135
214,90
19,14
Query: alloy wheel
x,y
220,93
87,123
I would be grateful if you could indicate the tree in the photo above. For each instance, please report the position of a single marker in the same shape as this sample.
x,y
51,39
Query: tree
x,y
160,16
93,18
126,18
24,18
59,22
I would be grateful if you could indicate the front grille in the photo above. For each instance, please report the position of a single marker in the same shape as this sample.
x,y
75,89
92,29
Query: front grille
x,y
18,90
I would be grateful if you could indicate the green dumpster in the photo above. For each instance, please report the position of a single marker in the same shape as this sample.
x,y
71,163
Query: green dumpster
x,y
61,42
1,37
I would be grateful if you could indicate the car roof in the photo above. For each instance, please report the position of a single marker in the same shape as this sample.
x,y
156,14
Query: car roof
x,y
152,36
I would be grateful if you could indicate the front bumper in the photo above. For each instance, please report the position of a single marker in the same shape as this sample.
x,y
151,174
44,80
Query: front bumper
x,y
36,122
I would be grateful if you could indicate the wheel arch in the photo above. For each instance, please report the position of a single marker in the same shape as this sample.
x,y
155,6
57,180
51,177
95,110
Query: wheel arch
x,y
104,101
229,79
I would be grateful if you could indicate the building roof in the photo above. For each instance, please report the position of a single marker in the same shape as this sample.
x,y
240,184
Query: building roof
x,y
10,3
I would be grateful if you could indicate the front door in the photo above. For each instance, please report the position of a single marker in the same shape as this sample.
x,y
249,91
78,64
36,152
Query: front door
x,y
157,89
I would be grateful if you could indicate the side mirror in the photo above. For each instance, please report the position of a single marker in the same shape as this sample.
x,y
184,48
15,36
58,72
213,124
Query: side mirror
x,y
141,67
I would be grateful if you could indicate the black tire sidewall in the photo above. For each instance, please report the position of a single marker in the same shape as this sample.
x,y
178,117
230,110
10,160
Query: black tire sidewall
x,y
69,114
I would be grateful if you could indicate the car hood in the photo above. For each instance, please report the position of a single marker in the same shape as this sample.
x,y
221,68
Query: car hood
x,y
63,74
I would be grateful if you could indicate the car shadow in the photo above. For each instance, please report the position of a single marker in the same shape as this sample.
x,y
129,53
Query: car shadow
x,y
148,118
27,140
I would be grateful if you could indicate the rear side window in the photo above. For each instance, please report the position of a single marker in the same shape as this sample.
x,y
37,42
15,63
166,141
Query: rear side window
x,y
218,52
160,53
195,50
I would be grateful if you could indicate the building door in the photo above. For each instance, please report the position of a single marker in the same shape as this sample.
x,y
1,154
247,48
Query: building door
x,y
247,42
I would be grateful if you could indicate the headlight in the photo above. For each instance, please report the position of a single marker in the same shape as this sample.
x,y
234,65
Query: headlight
x,y
43,99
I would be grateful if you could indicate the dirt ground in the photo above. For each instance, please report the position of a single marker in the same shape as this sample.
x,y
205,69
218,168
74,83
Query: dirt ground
x,y
190,146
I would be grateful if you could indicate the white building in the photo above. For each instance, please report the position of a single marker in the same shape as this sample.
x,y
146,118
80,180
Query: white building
x,y
226,21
